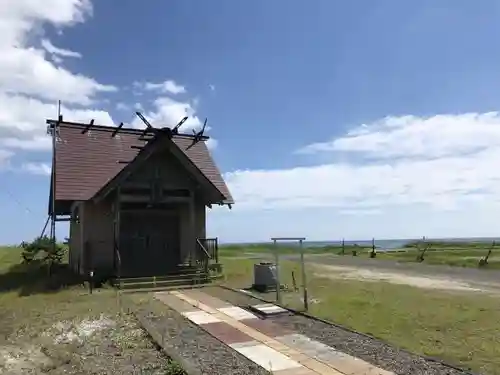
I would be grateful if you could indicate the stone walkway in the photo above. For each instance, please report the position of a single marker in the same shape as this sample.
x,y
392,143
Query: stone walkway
x,y
267,344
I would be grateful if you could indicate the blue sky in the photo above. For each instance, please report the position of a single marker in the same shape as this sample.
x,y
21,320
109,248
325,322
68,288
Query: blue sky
x,y
329,119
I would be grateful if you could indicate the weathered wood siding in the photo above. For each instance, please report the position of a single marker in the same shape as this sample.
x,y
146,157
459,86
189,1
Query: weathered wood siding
x,y
169,170
200,218
188,243
98,234
97,219
75,241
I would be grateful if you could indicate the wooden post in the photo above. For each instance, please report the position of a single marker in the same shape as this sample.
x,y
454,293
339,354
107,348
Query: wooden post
x,y
53,183
216,250
116,248
373,253
276,257
304,282
192,230
81,212
277,261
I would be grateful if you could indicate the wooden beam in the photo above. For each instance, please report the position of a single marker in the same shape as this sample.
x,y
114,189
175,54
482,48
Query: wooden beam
x,y
74,205
132,166
62,219
147,199
82,238
87,128
117,129
166,186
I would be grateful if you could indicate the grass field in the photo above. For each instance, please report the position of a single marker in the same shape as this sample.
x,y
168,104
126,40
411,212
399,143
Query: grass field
x,y
457,258
459,254
68,330
239,250
462,328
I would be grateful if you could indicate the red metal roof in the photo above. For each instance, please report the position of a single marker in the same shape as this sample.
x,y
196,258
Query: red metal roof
x,y
86,162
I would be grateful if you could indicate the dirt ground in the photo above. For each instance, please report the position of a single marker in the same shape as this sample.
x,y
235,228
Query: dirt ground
x,y
414,274
76,342
363,274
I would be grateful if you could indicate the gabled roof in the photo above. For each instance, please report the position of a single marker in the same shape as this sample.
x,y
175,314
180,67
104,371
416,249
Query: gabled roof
x,y
85,163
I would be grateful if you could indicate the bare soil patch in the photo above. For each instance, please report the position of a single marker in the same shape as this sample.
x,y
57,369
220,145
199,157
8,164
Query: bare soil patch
x,y
363,274
73,333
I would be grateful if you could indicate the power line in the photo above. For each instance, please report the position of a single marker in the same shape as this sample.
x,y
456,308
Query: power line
x,y
17,200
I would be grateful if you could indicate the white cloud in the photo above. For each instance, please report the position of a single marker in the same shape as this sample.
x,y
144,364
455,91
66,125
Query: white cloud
x,y
26,71
4,156
123,106
445,162
22,121
36,143
32,78
212,143
50,48
42,169
168,112
24,68
30,84
411,136
168,86
360,212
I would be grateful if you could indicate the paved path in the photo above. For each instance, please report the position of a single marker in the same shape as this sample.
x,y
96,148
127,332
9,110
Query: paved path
x,y
269,345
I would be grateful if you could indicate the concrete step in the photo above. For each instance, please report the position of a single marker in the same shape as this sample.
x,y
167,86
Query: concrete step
x,y
164,288
161,284
181,276
167,281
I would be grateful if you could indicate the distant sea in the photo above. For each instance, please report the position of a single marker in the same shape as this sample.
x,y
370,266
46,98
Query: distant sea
x,y
380,244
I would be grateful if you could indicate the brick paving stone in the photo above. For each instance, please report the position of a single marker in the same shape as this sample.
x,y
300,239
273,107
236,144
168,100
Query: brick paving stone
x,y
266,327
268,358
237,313
296,371
201,317
225,333
269,353
174,302
342,362
207,299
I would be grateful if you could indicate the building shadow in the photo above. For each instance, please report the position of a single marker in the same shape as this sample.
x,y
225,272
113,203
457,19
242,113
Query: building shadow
x,y
35,278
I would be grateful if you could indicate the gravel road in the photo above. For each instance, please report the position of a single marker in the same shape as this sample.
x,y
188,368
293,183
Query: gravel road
x,y
480,278
371,350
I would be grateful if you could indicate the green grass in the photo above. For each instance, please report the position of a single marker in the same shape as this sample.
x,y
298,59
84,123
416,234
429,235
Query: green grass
x,y
458,254
451,256
26,302
463,329
451,245
239,250
28,310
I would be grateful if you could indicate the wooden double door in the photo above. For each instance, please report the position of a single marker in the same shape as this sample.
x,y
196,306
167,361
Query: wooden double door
x,y
149,242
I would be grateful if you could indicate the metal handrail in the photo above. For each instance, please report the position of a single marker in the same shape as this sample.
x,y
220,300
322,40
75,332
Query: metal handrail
x,y
211,247
203,248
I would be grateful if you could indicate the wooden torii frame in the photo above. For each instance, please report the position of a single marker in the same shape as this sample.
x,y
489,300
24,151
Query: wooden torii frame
x,y
300,240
